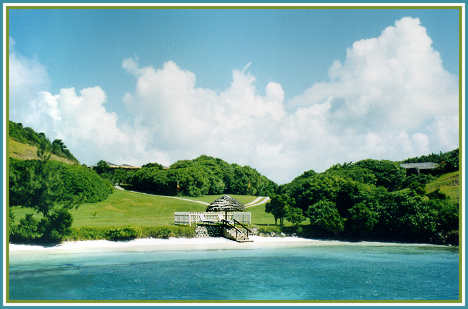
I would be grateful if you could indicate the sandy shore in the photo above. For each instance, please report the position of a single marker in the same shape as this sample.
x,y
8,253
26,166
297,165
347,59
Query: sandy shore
x,y
151,244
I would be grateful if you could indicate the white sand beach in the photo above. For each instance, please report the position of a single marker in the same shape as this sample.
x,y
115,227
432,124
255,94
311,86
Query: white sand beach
x,y
152,244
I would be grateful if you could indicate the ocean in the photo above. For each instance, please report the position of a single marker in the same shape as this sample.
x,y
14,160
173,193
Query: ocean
x,y
339,272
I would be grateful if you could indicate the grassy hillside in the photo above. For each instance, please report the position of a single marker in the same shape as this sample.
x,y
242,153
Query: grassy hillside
x,y
23,151
447,184
27,135
124,208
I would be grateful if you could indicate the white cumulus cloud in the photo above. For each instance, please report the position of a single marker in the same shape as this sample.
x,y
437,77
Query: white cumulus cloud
x,y
389,98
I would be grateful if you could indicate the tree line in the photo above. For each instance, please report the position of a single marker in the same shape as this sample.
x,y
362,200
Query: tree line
x,y
369,199
200,176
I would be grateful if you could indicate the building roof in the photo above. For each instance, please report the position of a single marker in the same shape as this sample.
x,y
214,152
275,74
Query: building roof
x,y
225,203
112,165
421,166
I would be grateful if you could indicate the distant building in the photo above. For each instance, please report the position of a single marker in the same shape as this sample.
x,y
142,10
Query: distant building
x,y
126,166
419,166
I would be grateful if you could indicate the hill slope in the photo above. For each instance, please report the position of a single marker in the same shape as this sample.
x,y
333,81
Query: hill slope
x,y
25,142
447,184
123,208
23,151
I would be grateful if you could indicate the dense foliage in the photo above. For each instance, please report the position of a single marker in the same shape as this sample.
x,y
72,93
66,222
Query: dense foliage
x,y
203,175
29,136
116,176
372,199
51,188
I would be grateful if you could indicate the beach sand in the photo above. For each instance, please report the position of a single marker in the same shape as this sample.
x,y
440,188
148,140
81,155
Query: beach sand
x,y
211,243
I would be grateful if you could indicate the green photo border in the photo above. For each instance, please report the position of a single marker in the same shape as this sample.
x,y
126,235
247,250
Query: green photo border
x,y
460,9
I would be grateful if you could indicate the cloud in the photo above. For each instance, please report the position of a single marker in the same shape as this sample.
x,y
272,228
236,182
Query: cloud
x,y
26,78
389,98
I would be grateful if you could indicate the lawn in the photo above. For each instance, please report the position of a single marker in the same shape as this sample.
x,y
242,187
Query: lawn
x,y
123,208
260,217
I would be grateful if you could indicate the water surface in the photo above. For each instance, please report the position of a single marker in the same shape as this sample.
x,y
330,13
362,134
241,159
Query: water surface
x,y
308,273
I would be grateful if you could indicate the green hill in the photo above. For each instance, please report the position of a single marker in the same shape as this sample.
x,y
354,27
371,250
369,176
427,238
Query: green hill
x,y
23,151
24,141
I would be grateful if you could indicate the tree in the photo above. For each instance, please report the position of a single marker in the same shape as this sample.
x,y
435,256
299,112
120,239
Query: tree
x,y
42,182
102,167
363,218
389,174
278,205
325,217
317,188
294,215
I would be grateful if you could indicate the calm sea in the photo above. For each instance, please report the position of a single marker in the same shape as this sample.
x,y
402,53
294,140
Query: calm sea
x,y
308,273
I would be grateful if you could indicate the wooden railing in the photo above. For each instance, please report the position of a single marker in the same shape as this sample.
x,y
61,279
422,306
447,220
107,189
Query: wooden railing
x,y
245,227
189,218
238,231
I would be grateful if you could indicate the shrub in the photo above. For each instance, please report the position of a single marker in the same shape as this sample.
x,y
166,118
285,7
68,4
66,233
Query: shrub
x,y
130,232
27,230
121,233
167,231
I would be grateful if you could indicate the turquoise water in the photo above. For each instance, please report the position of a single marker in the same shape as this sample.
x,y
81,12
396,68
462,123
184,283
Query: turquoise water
x,y
309,273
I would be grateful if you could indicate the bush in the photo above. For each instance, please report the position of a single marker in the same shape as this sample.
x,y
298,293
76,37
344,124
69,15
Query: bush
x,y
121,233
28,230
56,225
72,180
267,229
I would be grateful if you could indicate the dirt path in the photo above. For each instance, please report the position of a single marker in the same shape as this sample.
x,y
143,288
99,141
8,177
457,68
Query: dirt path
x,y
174,197
258,201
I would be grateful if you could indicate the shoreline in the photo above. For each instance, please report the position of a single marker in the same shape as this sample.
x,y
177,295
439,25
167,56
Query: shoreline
x,y
209,243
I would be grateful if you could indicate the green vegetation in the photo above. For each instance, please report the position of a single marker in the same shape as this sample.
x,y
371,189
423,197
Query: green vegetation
x,y
51,189
202,176
373,199
124,208
22,151
148,215
369,199
448,161
260,217
130,232
28,136
448,184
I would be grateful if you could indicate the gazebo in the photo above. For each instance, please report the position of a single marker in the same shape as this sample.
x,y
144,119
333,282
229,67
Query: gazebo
x,y
225,207
225,204
225,214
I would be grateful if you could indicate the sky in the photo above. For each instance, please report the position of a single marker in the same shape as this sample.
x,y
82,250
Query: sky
x,y
283,91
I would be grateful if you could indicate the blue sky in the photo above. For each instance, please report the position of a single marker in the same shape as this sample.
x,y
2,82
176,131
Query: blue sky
x,y
293,49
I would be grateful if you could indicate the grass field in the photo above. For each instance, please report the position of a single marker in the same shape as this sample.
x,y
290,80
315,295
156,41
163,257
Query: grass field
x,y
448,184
124,208
22,151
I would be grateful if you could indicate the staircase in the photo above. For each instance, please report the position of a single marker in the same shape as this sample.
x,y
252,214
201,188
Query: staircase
x,y
239,234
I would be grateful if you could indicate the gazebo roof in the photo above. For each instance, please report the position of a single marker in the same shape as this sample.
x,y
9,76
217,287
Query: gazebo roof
x,y
225,203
